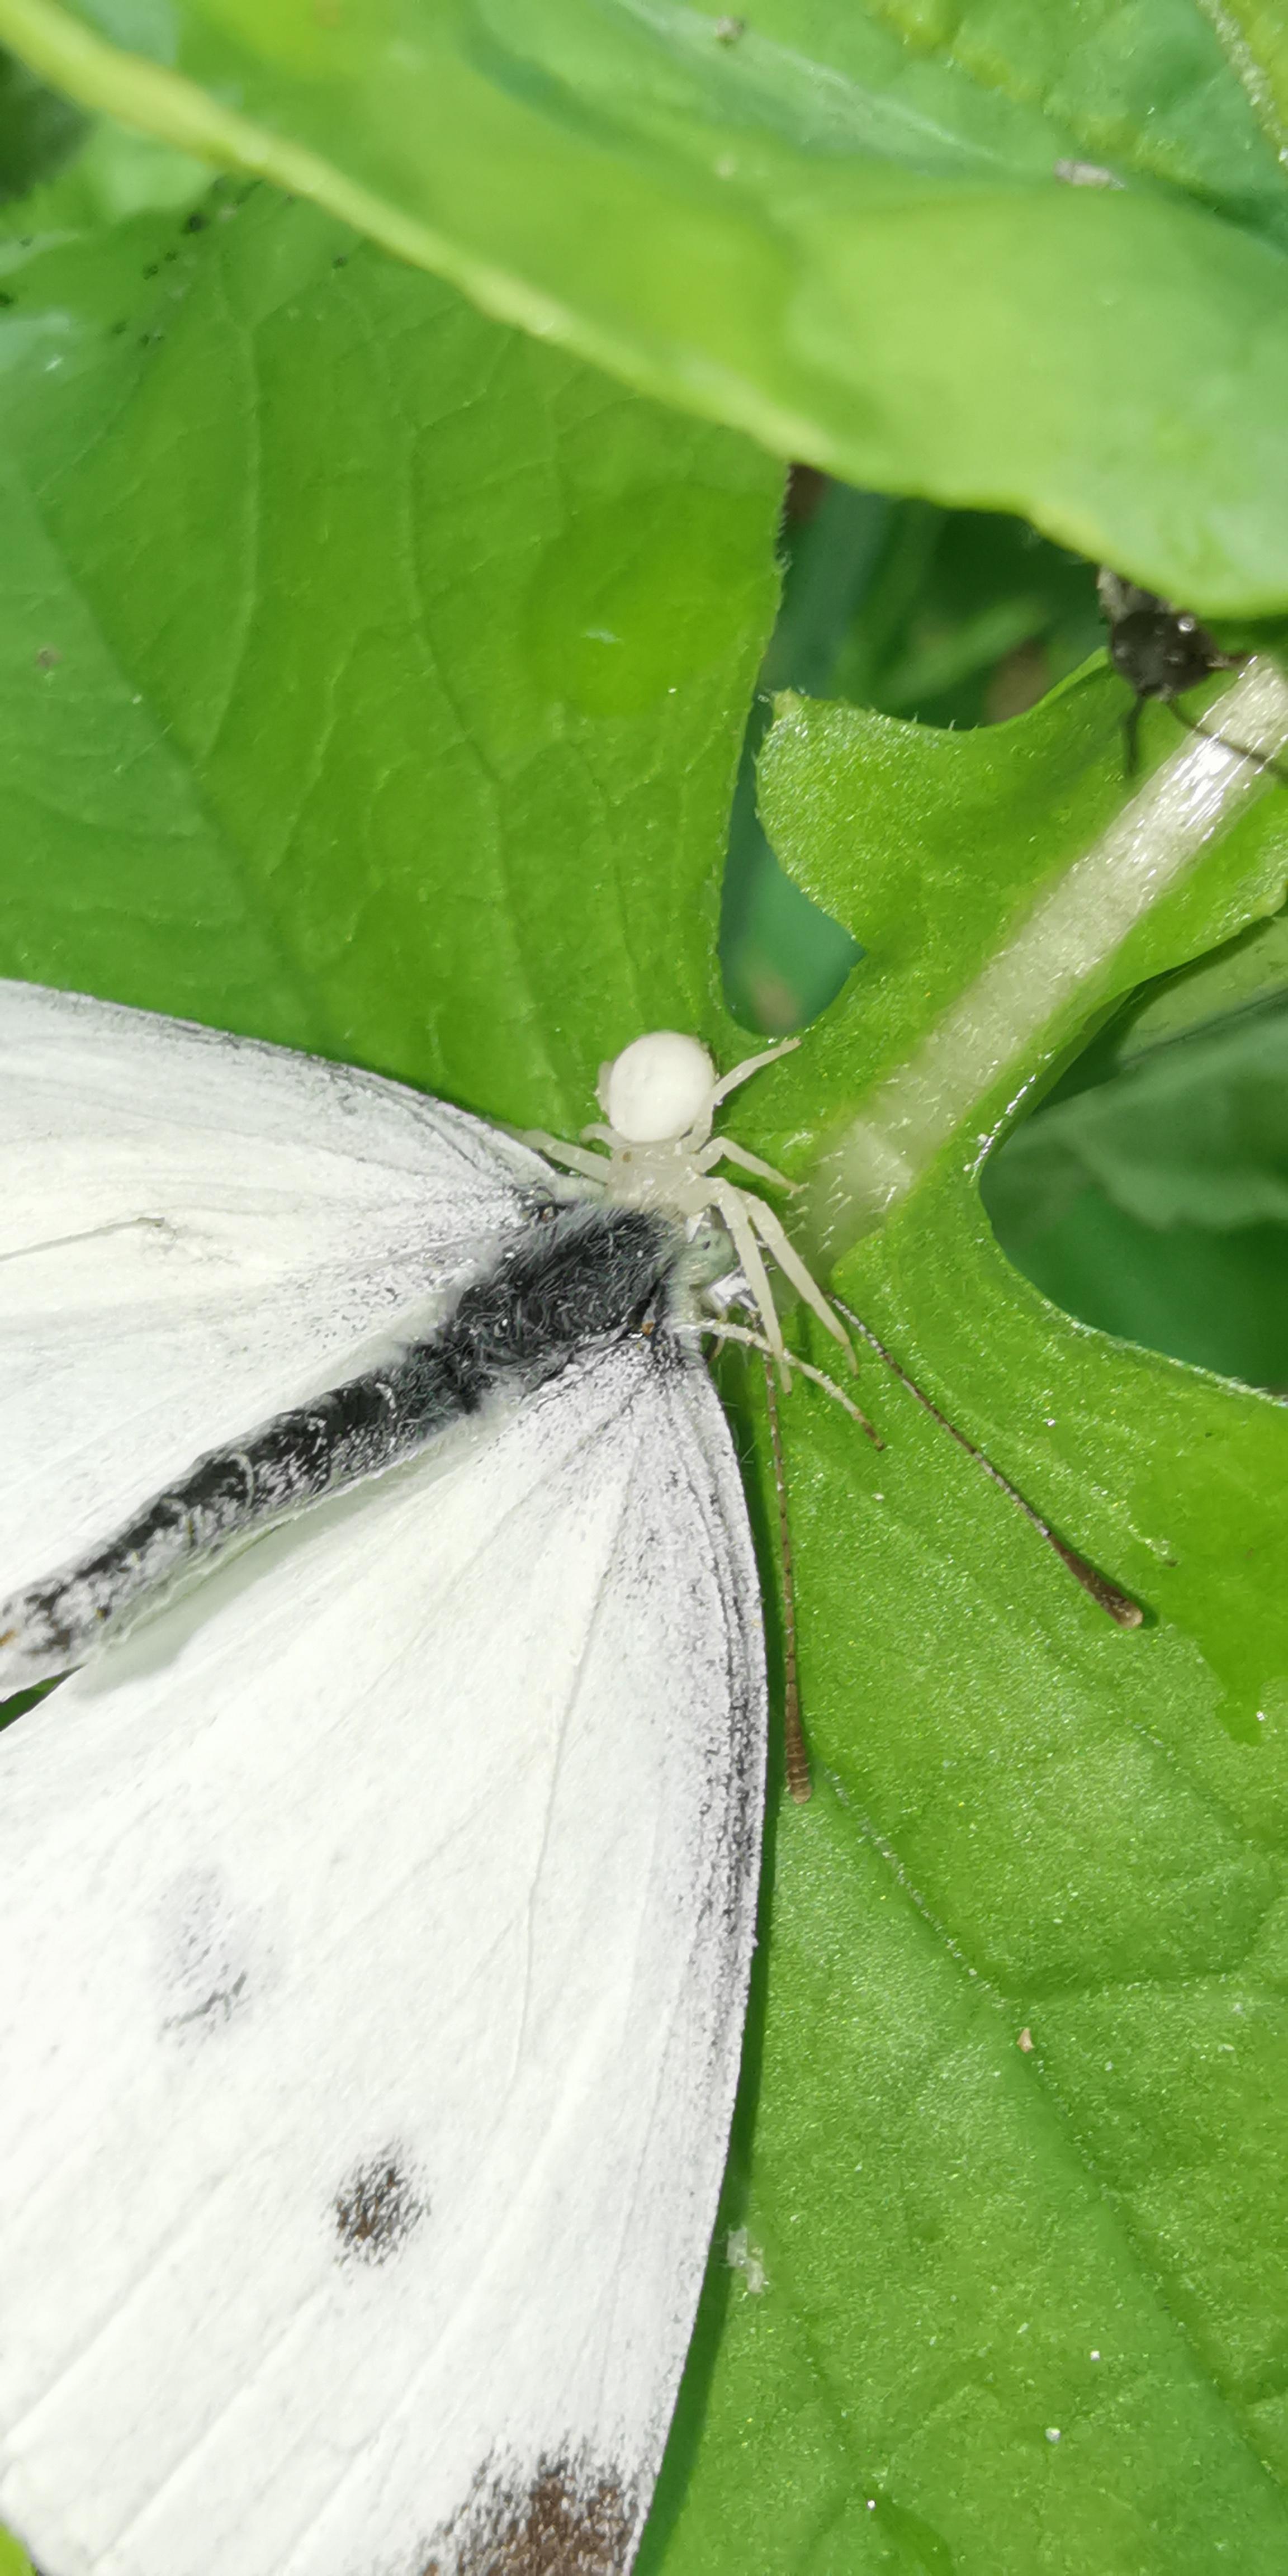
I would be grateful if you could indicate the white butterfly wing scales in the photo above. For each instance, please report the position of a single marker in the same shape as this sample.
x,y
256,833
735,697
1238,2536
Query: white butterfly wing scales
x,y
384,1914
193,1229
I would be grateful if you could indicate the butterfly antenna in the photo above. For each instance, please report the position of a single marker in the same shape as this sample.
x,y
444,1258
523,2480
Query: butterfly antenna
x,y
1109,1597
795,1749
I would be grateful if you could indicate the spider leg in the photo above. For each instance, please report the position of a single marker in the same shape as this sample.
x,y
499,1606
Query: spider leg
x,y
743,1072
733,1206
595,1166
721,1151
726,1332
773,1234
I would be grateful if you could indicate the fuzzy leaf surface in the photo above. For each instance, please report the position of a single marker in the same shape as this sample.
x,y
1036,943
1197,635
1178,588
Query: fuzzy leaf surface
x,y
425,756
1026,260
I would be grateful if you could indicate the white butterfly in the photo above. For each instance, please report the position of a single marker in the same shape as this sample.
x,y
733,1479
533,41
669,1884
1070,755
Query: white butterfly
x,y
376,1918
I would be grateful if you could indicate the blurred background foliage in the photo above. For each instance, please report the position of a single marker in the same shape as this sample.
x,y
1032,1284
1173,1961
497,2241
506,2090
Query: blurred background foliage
x,y
1148,1193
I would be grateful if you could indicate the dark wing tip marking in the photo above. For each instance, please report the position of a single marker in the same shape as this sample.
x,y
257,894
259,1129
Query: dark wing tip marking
x,y
573,2518
377,2207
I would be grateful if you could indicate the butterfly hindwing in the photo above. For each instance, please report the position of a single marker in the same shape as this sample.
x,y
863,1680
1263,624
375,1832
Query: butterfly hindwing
x,y
381,1917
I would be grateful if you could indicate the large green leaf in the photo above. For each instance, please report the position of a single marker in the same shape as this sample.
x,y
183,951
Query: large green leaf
x,y
1015,2179
852,233
374,679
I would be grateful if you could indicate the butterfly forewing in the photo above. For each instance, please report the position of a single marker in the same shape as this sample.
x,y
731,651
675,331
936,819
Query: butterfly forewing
x,y
194,1230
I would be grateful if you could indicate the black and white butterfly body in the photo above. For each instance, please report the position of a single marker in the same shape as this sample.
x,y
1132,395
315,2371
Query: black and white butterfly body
x,y
383,1907
571,1278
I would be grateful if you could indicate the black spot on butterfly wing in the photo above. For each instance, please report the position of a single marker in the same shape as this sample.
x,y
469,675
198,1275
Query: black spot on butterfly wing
x,y
571,2518
377,2208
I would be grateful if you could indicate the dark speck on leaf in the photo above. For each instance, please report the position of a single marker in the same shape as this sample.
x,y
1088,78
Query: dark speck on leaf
x,y
341,259
7,299
195,223
152,268
377,2208
47,657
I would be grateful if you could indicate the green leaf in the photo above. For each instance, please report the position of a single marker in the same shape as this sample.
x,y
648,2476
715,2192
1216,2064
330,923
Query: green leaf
x,y
1147,1196
969,618
951,616
115,173
1003,897
372,678
850,233
1214,1299
38,129
1253,967
1195,1133
1256,41
1015,2173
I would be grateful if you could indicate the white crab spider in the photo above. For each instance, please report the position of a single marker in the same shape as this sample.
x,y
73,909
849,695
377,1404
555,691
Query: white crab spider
x,y
659,1097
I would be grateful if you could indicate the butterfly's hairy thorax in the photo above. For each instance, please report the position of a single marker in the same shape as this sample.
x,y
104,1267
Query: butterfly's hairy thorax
x,y
575,1274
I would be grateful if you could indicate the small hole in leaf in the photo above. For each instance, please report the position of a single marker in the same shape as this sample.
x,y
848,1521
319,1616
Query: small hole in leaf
x,y
1148,1194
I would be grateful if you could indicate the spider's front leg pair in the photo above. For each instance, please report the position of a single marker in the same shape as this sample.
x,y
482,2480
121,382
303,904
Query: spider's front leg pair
x,y
752,1224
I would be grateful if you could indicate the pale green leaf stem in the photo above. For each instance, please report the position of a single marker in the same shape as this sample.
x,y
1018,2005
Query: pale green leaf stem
x,y
1055,958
